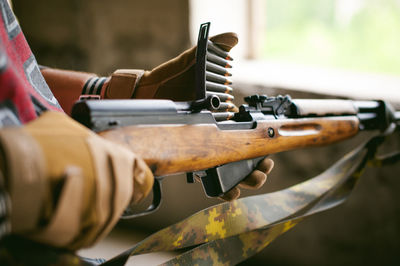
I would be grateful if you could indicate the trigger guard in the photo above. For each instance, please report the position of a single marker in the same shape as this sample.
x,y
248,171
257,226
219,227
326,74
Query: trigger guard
x,y
156,202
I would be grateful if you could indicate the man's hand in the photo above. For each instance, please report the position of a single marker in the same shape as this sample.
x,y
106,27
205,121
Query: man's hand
x,y
173,80
68,186
253,181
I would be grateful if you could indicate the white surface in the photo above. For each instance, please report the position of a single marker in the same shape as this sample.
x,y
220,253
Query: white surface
x,y
118,241
340,83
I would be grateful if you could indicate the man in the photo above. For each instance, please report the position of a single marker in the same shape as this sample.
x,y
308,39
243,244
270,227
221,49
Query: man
x,y
60,184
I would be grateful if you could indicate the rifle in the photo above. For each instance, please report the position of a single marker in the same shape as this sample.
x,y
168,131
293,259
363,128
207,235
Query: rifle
x,y
189,137
173,138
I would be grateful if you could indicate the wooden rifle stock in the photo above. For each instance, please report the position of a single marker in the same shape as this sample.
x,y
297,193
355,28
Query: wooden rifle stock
x,y
173,138
171,149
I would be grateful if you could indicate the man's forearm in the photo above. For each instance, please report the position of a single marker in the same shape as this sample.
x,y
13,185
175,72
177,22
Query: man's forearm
x,y
67,85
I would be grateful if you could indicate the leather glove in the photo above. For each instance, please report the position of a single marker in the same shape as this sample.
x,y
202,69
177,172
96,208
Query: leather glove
x,y
255,180
174,79
68,186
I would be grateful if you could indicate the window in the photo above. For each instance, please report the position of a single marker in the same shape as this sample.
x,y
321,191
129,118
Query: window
x,y
317,45
358,34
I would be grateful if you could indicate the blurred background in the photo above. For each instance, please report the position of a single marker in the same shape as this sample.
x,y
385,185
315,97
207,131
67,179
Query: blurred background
x,y
305,48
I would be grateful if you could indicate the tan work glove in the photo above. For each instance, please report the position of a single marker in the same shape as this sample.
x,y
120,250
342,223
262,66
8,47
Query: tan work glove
x,y
68,186
253,181
175,80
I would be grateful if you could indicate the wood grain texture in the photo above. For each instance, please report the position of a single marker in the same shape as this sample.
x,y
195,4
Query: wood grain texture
x,y
169,149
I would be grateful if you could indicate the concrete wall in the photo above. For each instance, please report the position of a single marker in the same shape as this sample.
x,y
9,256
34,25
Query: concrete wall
x,y
100,36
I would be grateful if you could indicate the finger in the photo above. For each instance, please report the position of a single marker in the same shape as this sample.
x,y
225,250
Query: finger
x,y
265,166
234,109
226,41
143,181
232,194
254,181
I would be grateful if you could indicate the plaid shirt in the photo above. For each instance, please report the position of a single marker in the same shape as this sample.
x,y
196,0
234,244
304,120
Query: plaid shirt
x,y
21,82
24,93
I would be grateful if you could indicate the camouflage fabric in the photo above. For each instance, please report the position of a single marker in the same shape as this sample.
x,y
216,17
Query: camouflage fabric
x,y
230,232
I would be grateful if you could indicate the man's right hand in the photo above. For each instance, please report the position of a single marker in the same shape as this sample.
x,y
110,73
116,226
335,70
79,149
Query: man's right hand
x,y
68,186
